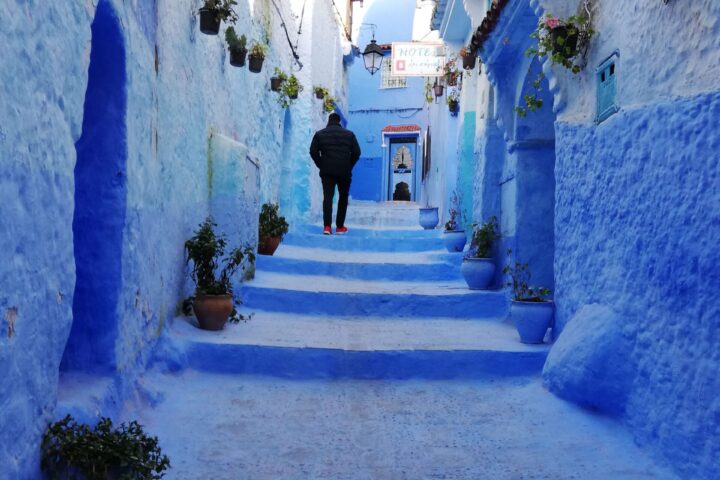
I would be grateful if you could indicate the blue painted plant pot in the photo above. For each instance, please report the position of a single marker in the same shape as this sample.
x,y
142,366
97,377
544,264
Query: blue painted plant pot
x,y
478,272
429,218
454,240
532,319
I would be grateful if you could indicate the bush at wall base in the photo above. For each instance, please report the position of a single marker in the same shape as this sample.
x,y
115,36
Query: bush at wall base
x,y
429,217
478,272
454,240
73,450
532,319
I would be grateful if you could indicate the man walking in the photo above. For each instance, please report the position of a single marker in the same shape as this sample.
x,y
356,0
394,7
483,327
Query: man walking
x,y
335,151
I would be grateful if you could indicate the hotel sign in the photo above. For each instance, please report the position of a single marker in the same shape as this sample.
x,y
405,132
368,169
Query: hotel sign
x,y
417,59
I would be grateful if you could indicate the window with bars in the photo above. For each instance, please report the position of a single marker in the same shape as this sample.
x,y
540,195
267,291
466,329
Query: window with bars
x,y
386,79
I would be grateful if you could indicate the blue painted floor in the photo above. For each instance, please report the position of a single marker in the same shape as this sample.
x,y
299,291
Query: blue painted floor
x,y
368,358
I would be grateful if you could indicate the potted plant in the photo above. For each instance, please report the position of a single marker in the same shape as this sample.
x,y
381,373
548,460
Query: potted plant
x,y
451,72
438,89
453,237
215,11
73,450
292,87
236,47
531,312
329,103
478,267
563,41
453,102
277,80
213,301
256,56
429,217
320,92
468,58
272,228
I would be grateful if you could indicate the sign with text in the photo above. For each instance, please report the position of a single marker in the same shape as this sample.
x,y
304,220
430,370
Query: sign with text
x,y
417,59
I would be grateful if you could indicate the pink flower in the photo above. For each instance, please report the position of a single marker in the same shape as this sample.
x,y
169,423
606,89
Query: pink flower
x,y
551,22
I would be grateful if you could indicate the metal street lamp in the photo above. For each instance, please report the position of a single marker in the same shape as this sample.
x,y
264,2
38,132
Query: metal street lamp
x,y
373,56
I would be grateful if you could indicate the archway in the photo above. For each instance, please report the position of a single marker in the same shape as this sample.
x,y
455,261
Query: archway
x,y
100,201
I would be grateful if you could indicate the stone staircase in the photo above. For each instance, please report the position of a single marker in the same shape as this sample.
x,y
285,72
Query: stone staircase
x,y
377,303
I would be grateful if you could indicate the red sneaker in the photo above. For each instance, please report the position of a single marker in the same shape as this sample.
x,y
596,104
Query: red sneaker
x,y
327,231
341,230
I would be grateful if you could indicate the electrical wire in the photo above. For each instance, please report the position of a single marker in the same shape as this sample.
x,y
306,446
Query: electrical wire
x,y
287,35
342,22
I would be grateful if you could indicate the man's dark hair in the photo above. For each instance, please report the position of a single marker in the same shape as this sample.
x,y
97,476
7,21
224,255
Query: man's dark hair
x,y
334,118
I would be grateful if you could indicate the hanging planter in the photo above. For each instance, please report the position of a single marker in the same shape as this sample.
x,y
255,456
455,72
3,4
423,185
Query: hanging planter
x,y
236,47
453,107
468,58
215,11
320,92
438,90
292,87
277,80
256,57
209,21
564,40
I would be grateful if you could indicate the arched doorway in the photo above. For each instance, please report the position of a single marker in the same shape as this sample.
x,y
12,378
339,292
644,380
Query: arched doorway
x,y
100,201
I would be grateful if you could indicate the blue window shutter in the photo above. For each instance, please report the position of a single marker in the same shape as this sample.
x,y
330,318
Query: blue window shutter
x,y
607,88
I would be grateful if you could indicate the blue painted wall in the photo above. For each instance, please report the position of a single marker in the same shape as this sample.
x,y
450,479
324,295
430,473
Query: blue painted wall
x,y
370,108
637,230
100,201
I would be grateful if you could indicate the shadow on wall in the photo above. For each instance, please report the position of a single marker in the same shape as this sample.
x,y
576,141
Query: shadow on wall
x,y
100,199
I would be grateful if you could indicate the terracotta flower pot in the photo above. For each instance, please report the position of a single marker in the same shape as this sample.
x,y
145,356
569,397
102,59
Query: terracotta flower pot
x,y
268,245
255,63
209,21
237,57
212,311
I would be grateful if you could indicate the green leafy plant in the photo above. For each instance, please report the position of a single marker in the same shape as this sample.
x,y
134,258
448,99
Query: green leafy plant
x,y
320,92
206,251
329,103
271,224
289,90
234,42
223,9
450,70
73,450
520,282
453,100
483,238
280,74
258,49
428,91
561,40
532,100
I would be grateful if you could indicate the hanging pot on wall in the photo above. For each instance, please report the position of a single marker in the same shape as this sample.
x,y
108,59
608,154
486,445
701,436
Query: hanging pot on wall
x,y
454,107
469,61
292,96
255,63
237,57
451,79
567,47
438,89
275,83
319,94
209,21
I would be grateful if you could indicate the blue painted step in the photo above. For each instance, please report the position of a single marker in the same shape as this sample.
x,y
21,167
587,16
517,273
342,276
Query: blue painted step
x,y
447,267
366,349
372,243
333,296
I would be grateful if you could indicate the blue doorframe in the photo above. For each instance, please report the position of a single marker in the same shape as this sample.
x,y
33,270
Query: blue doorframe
x,y
394,142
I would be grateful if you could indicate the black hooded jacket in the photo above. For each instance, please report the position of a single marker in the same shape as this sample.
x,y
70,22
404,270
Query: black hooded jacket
x,y
335,151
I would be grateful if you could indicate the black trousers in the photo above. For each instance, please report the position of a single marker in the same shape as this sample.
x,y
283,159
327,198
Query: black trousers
x,y
343,186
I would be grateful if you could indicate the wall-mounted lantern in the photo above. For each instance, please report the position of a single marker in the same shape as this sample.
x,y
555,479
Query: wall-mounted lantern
x,y
373,57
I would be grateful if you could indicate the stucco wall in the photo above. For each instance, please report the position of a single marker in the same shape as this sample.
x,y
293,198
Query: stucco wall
x,y
191,121
636,214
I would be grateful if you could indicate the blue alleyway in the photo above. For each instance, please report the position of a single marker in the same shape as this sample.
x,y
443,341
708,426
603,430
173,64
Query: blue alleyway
x,y
337,377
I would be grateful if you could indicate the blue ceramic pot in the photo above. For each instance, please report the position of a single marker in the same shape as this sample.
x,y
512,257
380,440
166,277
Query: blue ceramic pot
x,y
478,272
532,319
429,217
454,240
